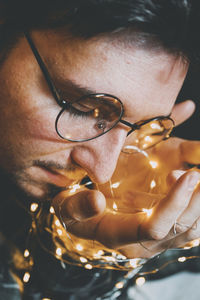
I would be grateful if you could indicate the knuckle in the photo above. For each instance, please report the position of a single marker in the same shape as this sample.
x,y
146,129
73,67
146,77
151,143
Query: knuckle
x,y
156,234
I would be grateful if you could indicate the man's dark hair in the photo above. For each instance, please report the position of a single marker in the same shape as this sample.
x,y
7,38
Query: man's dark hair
x,y
172,24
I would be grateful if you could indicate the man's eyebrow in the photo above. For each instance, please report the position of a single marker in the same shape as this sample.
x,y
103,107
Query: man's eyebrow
x,y
68,86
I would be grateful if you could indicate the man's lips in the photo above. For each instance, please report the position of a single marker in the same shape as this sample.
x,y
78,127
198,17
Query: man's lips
x,y
55,177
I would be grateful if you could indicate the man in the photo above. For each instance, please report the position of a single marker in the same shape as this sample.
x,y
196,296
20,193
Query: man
x,y
133,53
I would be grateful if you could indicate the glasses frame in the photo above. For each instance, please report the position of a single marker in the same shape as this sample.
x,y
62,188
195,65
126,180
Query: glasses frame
x,y
64,104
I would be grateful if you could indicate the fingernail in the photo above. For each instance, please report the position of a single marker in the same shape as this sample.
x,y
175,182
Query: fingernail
x,y
193,180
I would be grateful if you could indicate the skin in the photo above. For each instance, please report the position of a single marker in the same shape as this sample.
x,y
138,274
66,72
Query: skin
x,y
147,82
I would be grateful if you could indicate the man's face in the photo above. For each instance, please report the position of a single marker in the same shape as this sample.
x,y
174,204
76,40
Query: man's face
x,y
147,82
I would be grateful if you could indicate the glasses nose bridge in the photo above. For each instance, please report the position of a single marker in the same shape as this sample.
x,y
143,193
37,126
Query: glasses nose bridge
x,y
133,126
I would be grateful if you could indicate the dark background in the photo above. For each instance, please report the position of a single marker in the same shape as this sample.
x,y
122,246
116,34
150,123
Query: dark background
x,y
190,90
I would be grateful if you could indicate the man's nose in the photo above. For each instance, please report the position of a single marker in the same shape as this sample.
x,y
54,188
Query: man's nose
x,y
99,156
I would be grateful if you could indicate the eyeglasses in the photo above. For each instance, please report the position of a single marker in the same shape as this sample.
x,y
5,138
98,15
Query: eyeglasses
x,y
93,115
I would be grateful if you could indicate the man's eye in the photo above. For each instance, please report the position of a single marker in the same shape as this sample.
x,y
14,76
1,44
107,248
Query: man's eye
x,y
80,111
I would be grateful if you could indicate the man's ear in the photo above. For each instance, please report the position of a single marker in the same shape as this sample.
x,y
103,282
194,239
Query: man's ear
x,y
182,111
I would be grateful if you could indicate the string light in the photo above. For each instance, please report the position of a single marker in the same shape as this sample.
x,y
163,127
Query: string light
x,y
74,188
140,281
59,251
114,206
57,222
33,207
152,184
182,259
88,266
59,231
153,163
134,262
26,277
79,247
51,210
195,243
119,285
115,185
26,253
83,259
148,212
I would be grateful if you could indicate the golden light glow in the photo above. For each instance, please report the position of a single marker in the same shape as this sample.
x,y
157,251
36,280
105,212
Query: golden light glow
x,y
59,231
155,126
33,207
119,285
140,281
195,243
115,185
100,252
134,262
148,138
148,212
154,164
83,259
152,184
109,258
114,206
46,299
51,210
182,259
57,222
74,188
26,253
79,247
59,251
88,266
26,277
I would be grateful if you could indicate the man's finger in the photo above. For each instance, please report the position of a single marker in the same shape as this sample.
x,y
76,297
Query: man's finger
x,y
79,207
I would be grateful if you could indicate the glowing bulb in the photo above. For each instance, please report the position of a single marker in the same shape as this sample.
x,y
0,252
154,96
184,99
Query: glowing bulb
x,y
152,184
115,185
79,247
59,251
51,210
153,164
26,277
114,206
119,285
57,222
46,299
148,212
83,259
100,252
134,262
74,188
148,138
34,207
195,243
59,231
26,253
155,126
88,266
140,281
182,259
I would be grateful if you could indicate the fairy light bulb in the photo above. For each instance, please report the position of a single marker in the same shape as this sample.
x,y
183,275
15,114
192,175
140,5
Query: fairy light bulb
x,y
26,253
51,210
88,266
26,277
148,212
140,281
119,285
182,259
74,188
83,259
153,163
57,222
114,206
152,184
33,207
79,247
59,251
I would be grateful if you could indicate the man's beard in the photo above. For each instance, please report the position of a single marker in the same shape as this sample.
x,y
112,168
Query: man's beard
x,y
13,185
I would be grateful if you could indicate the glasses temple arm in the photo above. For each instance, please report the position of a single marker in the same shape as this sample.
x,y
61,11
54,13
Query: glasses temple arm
x,y
43,68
